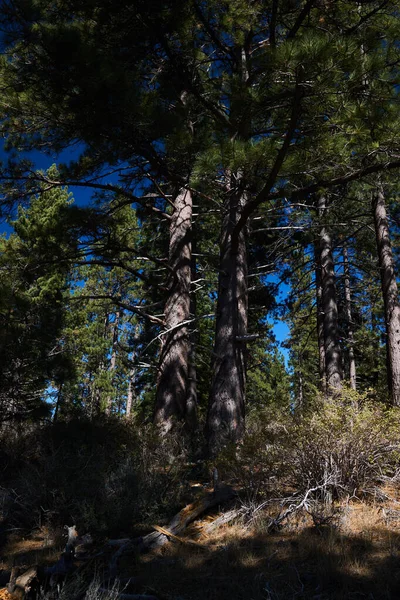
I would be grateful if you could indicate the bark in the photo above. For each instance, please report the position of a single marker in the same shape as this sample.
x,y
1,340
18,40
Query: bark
x,y
300,398
173,375
58,402
320,318
191,402
113,361
177,525
226,413
350,334
333,361
390,294
129,397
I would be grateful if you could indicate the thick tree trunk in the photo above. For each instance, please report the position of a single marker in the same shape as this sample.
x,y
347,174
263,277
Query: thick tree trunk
x,y
173,376
350,334
226,410
390,294
320,318
333,361
191,401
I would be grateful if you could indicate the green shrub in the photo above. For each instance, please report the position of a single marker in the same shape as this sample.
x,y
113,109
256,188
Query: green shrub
x,y
348,443
343,446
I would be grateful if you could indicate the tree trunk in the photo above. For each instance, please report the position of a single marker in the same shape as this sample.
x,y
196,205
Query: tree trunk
x,y
333,362
58,402
173,375
320,318
191,402
390,294
226,412
300,397
350,334
129,396
113,361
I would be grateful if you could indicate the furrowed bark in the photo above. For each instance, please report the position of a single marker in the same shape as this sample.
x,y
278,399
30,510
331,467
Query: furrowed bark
x,y
191,401
320,318
226,406
350,334
172,384
226,413
390,294
333,361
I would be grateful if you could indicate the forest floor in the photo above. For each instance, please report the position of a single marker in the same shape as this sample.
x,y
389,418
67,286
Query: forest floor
x,y
356,555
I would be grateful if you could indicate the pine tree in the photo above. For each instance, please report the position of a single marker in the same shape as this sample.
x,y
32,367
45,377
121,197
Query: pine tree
x,y
35,268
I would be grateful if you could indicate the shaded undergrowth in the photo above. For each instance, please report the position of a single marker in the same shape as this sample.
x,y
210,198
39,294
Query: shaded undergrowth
x,y
314,563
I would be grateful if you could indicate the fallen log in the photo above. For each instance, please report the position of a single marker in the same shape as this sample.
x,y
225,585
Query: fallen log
x,y
180,521
223,519
24,584
177,538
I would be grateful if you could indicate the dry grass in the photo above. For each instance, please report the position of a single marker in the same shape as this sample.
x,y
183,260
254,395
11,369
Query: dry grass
x,y
40,548
355,557
358,558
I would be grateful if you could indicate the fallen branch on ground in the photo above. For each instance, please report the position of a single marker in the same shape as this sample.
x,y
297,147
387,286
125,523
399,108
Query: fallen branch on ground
x,y
223,520
176,538
187,515
293,508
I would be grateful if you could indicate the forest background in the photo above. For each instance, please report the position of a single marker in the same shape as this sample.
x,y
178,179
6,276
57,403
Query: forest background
x,y
227,148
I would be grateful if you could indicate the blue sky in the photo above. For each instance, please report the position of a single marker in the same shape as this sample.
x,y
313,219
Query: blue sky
x,y
82,197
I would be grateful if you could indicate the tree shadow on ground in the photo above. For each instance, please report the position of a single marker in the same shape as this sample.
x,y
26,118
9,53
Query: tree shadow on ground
x,y
319,564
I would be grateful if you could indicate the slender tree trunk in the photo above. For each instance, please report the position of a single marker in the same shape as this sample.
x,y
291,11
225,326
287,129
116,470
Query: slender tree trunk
x,y
113,361
390,294
226,411
350,334
129,397
58,402
320,318
172,385
333,362
300,397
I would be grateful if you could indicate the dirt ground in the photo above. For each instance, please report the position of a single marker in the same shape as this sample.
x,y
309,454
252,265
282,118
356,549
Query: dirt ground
x,y
355,555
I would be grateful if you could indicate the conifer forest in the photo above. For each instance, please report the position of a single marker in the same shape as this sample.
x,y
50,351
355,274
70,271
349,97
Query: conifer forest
x,y
199,305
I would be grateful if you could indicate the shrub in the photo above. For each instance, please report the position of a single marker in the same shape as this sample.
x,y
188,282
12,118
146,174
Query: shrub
x,y
346,444
104,475
342,446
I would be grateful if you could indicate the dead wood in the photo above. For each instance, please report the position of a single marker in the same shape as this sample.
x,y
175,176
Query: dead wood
x,y
178,524
15,572
24,583
24,580
177,538
223,519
